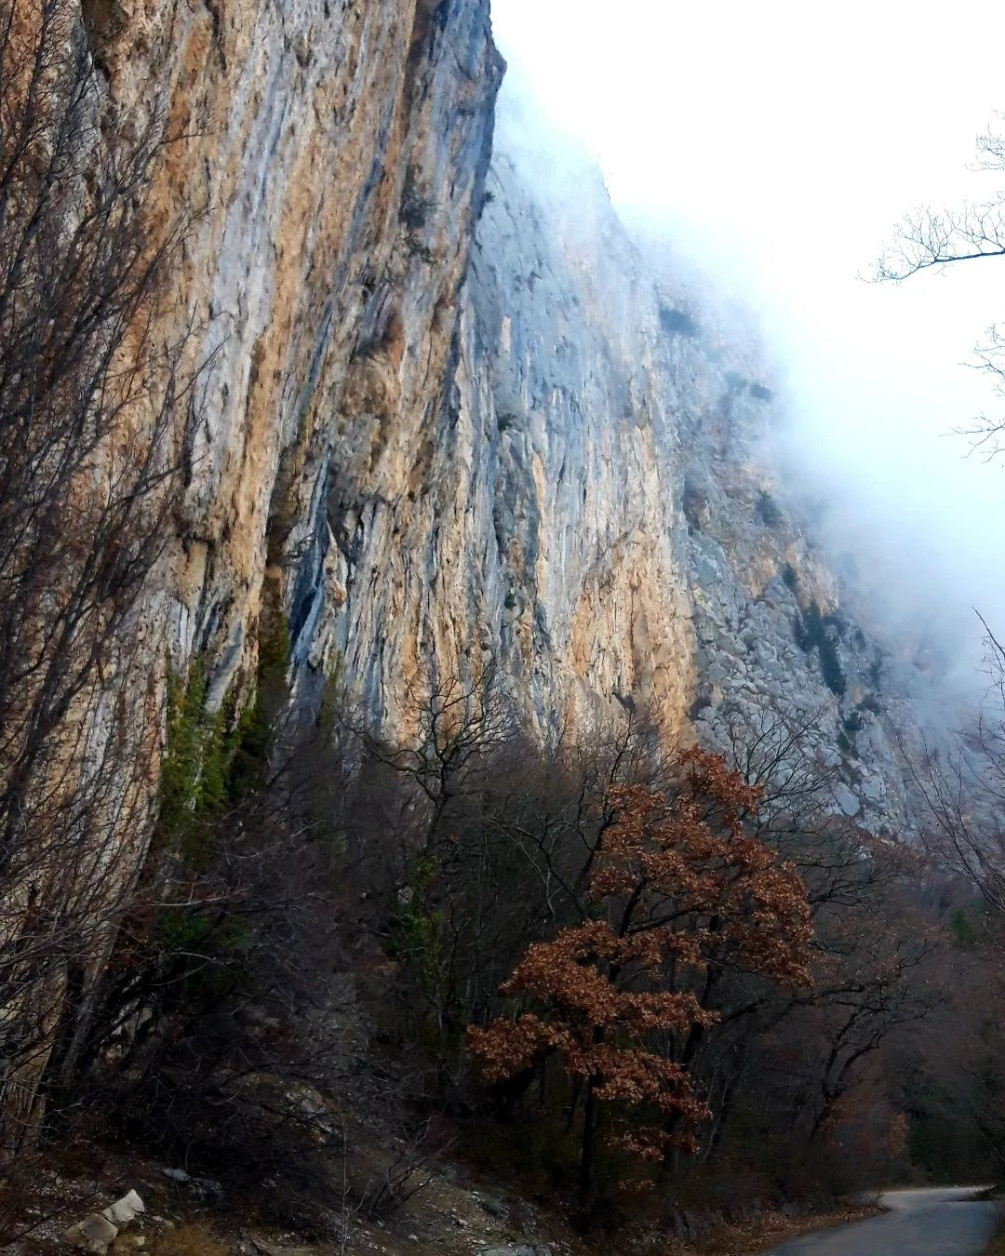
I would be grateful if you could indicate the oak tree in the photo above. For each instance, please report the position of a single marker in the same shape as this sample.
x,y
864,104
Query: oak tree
x,y
679,893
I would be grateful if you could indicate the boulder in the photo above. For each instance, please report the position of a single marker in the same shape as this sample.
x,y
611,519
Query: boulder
x,y
93,1234
846,800
124,1210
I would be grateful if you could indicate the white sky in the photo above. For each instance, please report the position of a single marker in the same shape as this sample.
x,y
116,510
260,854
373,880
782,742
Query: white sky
x,y
779,142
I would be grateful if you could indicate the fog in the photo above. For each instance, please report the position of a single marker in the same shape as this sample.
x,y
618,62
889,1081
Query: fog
x,y
776,146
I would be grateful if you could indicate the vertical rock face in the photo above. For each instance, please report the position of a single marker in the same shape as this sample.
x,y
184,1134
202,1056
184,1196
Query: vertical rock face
x,y
333,156
533,519
438,422
322,168
441,422
591,505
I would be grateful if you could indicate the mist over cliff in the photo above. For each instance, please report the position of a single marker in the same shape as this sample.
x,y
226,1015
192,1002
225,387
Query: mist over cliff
x,y
781,214
872,538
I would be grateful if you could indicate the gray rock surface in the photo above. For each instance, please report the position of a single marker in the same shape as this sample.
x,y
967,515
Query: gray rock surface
x,y
94,1234
599,512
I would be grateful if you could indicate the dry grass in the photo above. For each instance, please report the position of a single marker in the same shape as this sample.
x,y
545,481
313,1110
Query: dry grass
x,y
191,1238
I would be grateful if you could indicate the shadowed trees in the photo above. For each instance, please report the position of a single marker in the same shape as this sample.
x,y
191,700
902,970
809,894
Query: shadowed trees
x,y
678,893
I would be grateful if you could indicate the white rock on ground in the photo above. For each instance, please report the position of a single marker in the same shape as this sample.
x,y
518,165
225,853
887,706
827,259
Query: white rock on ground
x,y
124,1210
93,1234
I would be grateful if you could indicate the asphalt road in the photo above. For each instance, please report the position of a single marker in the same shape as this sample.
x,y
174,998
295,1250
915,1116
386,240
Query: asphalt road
x,y
918,1223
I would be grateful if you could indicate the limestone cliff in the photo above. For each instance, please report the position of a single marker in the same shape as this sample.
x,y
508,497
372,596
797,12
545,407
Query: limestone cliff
x,y
334,152
442,420
313,171
534,517
592,505
439,420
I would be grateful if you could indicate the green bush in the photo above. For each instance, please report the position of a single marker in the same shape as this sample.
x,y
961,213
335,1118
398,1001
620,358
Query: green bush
x,y
769,511
815,631
253,732
194,770
417,937
212,761
215,758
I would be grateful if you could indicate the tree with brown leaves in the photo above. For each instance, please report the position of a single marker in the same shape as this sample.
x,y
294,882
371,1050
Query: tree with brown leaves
x,y
679,893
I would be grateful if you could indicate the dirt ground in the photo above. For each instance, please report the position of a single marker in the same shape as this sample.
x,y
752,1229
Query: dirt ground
x,y
452,1215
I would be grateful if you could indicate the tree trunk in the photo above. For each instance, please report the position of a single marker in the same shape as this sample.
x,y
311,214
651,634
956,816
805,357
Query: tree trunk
x,y
589,1142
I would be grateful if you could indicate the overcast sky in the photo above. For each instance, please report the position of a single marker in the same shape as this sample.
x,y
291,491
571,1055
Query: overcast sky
x,y
778,143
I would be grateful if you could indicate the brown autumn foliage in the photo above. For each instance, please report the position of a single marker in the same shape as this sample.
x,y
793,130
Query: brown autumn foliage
x,y
678,891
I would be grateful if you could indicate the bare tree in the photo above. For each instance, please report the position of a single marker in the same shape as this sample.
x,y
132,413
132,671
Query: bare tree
x,y
774,748
962,785
930,239
91,392
457,726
